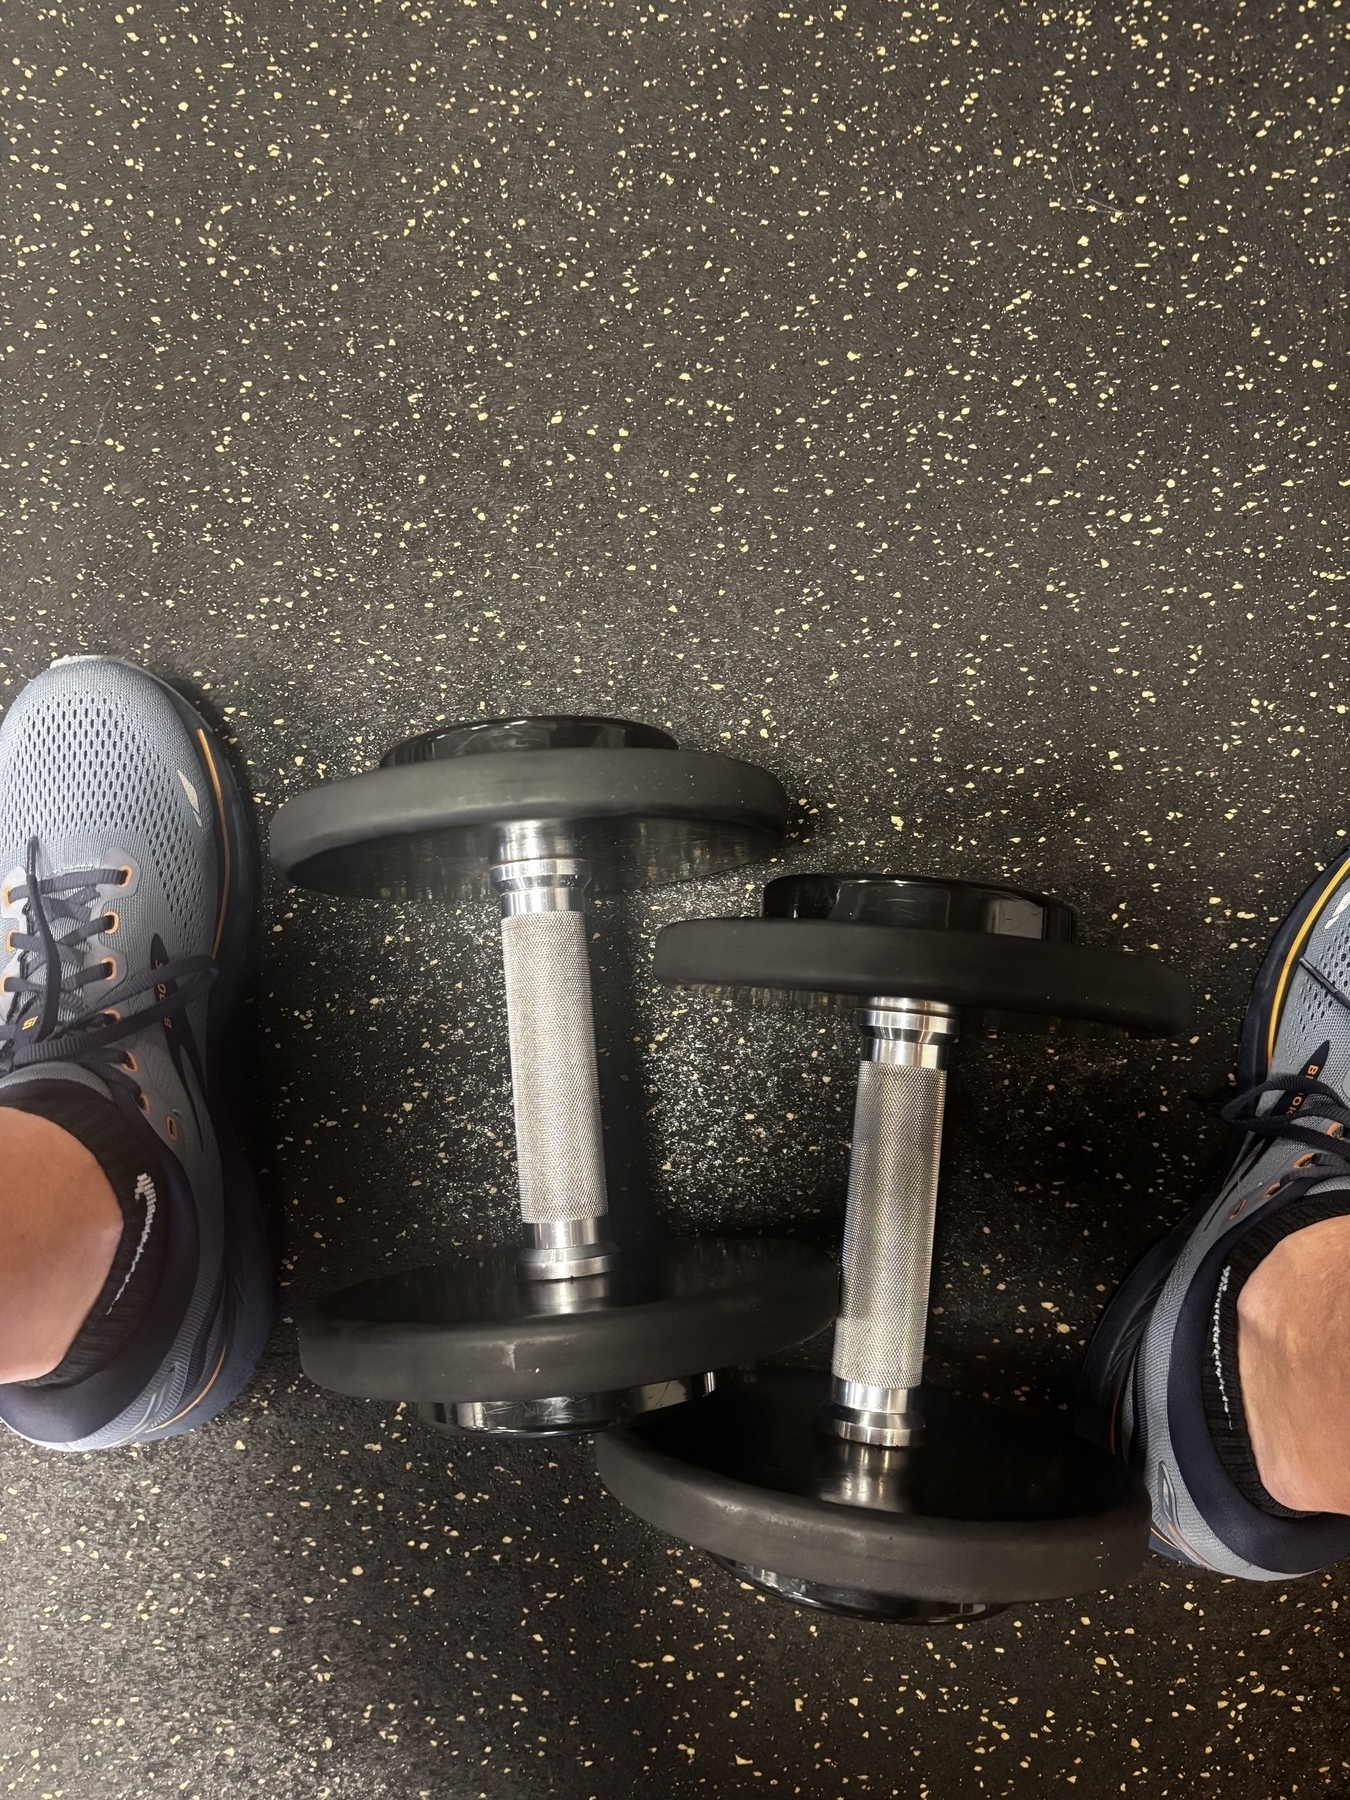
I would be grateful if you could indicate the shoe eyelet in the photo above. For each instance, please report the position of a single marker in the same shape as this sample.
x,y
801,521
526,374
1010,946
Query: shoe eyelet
x,y
1272,1190
1335,1129
108,968
143,1103
9,940
171,1126
1305,1161
129,1062
124,875
111,922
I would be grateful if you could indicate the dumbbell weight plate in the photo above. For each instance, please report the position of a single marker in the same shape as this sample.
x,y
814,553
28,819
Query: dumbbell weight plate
x,y
975,947
426,824
472,1330
991,1507
988,1507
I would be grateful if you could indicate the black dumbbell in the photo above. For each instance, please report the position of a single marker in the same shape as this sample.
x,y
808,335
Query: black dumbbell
x,y
567,1333
862,1491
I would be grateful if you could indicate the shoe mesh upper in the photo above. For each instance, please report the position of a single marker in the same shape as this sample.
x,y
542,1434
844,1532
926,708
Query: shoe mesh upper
x,y
96,762
1312,1017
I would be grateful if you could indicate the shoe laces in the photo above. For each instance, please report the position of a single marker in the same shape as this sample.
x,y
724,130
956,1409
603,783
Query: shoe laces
x,y
47,1019
1305,1110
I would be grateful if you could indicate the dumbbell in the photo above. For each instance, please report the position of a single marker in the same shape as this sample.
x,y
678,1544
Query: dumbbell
x,y
567,1333
864,1491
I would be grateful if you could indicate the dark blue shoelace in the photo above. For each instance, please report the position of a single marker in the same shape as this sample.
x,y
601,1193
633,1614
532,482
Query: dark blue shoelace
x,y
65,912
1308,1112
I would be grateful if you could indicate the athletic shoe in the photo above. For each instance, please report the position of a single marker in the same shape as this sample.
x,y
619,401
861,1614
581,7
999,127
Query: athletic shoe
x,y
126,896
1160,1385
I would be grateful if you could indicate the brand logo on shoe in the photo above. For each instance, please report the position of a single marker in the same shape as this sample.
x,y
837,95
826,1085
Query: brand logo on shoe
x,y
1339,908
1216,1337
193,801
145,1193
1292,1101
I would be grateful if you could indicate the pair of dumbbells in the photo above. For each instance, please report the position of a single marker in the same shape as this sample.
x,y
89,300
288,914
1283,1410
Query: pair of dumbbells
x,y
860,1491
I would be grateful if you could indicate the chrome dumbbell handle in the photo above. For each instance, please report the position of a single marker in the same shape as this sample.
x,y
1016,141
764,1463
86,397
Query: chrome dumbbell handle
x,y
888,1233
541,886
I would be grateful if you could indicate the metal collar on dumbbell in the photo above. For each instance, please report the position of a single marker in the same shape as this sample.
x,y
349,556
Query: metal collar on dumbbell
x,y
917,1034
567,1249
887,1417
538,871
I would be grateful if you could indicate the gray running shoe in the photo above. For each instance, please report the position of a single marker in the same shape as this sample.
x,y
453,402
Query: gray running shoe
x,y
126,896
1160,1385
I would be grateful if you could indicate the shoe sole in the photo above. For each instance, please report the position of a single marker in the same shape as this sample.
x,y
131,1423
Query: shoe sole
x,y
1111,1354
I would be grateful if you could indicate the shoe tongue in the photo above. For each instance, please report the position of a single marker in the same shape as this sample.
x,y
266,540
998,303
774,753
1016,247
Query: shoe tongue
x,y
71,958
54,1071
73,1001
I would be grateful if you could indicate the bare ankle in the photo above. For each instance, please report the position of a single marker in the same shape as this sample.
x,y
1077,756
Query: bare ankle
x,y
1294,1363
60,1225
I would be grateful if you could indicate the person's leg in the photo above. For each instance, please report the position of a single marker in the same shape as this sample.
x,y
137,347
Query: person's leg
x,y
1221,1368
60,1226
1294,1359
126,896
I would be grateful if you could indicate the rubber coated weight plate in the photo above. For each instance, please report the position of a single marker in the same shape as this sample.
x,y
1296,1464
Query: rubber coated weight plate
x,y
991,1507
539,731
860,1603
920,901
971,969
425,824
472,1330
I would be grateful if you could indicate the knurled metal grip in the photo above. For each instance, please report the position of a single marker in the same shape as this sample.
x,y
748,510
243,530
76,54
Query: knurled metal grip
x,y
888,1233
541,885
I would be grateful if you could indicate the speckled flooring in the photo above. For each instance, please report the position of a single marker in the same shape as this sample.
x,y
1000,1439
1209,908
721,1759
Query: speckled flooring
x,y
942,404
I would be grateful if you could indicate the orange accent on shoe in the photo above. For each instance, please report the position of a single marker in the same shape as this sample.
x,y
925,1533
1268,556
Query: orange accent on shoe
x,y
226,870
197,1400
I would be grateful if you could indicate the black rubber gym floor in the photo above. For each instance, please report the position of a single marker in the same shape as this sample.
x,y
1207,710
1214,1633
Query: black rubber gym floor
x,y
941,404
